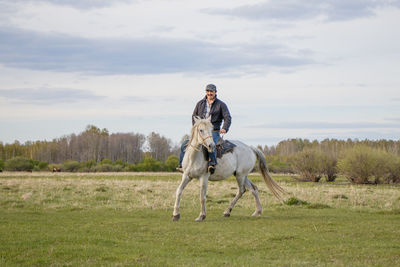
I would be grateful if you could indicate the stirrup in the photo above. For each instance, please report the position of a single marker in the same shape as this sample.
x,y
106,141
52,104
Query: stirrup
x,y
211,169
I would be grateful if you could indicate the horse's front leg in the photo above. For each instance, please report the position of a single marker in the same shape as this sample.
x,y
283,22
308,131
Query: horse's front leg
x,y
185,180
203,196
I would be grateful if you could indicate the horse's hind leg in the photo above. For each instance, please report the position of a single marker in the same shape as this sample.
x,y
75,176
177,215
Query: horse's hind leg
x,y
254,190
239,194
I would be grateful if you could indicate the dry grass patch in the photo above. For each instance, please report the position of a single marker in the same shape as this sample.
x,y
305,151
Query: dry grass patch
x,y
93,191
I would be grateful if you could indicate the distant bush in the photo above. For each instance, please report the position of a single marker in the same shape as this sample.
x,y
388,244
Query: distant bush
x,y
103,168
278,164
36,168
71,166
328,166
388,168
106,161
308,164
107,168
120,162
19,164
118,168
42,165
359,164
394,170
88,165
2,165
171,163
148,165
362,165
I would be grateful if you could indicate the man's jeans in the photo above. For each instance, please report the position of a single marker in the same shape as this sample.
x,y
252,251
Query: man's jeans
x,y
213,155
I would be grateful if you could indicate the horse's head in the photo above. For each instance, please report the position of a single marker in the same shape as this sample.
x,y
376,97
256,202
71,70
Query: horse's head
x,y
202,133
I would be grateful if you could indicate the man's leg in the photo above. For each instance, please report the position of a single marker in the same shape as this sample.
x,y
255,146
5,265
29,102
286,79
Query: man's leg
x,y
182,154
213,155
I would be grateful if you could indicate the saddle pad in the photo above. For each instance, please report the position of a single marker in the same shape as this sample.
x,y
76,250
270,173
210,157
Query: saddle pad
x,y
223,147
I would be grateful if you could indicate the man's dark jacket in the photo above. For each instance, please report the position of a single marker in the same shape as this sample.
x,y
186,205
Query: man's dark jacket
x,y
219,112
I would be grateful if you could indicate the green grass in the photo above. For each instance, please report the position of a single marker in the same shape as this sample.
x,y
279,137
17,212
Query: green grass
x,y
109,221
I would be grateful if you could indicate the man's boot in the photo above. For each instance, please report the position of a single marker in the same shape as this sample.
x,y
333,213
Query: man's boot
x,y
211,167
179,169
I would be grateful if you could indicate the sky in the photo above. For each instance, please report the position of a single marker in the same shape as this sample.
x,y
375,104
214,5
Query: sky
x,y
311,69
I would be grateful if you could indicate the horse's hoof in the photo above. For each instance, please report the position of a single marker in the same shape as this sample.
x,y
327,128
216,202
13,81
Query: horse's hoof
x,y
227,214
256,214
200,218
176,218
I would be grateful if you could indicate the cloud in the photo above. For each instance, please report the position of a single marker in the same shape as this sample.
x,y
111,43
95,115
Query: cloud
x,y
293,10
326,125
78,4
47,95
63,53
135,99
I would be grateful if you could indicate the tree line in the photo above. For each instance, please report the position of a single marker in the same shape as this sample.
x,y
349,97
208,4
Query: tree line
x,y
93,144
360,162
332,146
94,149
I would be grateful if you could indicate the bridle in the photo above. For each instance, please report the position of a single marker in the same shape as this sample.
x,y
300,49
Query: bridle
x,y
202,143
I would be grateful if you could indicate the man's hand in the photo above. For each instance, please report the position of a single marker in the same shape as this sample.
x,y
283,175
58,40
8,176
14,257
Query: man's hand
x,y
222,131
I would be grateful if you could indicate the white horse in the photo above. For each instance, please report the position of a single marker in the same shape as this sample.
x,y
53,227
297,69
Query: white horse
x,y
239,163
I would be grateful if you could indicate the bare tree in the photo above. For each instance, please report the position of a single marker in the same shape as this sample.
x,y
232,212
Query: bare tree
x,y
159,146
126,147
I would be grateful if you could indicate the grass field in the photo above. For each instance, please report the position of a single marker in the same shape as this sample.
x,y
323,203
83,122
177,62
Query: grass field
x,y
124,219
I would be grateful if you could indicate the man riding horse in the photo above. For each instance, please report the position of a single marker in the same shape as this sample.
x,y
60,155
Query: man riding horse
x,y
210,105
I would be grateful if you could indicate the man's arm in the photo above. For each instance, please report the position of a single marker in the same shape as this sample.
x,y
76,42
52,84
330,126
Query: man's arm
x,y
227,118
196,112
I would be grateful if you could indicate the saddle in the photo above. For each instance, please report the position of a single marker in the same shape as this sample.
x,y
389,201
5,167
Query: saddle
x,y
222,147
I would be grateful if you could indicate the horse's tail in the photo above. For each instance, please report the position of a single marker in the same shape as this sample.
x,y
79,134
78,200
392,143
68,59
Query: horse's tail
x,y
271,184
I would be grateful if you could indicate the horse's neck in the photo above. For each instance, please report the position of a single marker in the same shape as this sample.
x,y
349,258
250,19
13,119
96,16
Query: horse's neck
x,y
194,152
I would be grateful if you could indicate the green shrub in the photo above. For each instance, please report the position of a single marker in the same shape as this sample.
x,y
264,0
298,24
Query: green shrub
x,y
388,168
296,202
103,168
308,164
88,165
171,163
360,164
71,166
148,165
120,162
394,170
19,164
42,165
278,164
106,161
2,165
36,168
328,166
363,165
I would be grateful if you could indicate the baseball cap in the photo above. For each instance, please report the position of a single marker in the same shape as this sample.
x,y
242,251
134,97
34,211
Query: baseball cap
x,y
211,87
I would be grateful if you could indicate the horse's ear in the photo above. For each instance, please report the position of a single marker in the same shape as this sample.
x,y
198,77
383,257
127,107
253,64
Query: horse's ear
x,y
208,118
196,119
